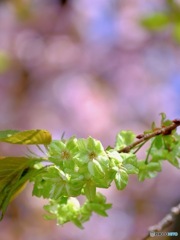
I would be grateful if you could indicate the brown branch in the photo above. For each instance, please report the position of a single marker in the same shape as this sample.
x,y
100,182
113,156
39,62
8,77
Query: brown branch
x,y
165,222
144,137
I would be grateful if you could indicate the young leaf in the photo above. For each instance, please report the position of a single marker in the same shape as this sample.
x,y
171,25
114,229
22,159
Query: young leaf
x,y
14,173
37,136
166,147
176,32
164,121
158,142
98,205
155,22
149,170
130,163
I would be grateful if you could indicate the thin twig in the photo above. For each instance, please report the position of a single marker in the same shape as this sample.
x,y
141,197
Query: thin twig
x,y
140,146
148,153
144,137
165,222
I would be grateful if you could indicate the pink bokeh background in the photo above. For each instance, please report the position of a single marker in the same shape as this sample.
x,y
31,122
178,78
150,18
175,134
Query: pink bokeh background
x,y
87,69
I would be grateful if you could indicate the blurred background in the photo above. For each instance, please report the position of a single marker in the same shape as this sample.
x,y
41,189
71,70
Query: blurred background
x,y
90,68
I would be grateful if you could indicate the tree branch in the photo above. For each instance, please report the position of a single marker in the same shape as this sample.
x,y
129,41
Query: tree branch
x,y
165,222
144,137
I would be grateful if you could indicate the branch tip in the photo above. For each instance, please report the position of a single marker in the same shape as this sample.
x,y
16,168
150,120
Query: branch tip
x,y
144,137
176,121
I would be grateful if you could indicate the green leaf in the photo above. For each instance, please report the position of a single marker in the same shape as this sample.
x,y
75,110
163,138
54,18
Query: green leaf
x,y
130,163
163,118
99,205
173,152
155,22
149,170
164,122
25,137
154,167
5,61
123,139
90,190
14,173
99,209
158,142
176,33
170,150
